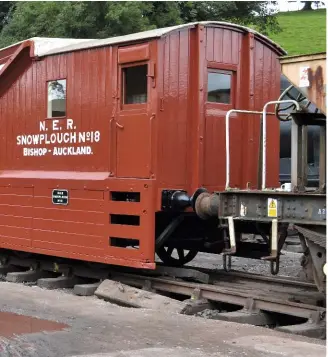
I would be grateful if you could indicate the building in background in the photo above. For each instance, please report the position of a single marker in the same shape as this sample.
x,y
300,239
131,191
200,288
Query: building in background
x,y
294,5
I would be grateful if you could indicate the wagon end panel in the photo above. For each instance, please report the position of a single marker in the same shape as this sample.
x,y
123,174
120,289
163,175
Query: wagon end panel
x,y
241,72
130,223
222,79
267,74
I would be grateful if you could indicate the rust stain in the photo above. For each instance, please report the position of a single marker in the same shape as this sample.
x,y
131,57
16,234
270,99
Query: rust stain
x,y
13,324
316,89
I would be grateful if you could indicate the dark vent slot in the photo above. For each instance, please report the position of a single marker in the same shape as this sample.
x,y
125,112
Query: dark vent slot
x,y
125,196
124,242
125,219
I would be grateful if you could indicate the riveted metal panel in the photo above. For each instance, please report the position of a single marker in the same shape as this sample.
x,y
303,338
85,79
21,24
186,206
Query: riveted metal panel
x,y
288,207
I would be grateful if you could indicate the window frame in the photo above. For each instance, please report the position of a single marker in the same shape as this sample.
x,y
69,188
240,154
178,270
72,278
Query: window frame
x,y
47,98
224,69
136,106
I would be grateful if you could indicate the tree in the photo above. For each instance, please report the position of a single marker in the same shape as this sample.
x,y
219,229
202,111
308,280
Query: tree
x,y
97,19
308,4
6,8
249,13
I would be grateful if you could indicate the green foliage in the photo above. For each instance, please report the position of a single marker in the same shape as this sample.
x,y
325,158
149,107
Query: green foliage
x,y
6,8
303,32
248,13
96,19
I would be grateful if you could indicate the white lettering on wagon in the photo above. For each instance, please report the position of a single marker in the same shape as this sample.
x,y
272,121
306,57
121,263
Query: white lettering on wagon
x,y
63,141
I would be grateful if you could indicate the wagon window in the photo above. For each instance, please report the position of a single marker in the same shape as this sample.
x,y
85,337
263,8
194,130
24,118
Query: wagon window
x,y
57,98
135,85
219,87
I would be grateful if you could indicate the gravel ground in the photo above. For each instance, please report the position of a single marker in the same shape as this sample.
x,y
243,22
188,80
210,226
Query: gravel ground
x,y
100,329
289,264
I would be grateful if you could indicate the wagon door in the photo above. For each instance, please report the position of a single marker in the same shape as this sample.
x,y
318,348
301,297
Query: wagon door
x,y
136,86
220,97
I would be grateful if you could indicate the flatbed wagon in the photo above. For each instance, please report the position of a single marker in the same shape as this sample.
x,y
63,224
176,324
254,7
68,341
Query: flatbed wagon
x,y
268,211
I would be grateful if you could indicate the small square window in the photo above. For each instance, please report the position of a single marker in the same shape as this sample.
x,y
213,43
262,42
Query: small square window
x,y
135,85
57,98
219,87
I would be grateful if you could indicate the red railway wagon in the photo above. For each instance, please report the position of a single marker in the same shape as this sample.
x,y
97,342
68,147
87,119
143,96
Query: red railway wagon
x,y
104,142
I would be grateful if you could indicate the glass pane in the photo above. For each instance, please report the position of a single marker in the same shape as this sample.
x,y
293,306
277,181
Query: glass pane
x,y
218,87
313,153
57,98
135,84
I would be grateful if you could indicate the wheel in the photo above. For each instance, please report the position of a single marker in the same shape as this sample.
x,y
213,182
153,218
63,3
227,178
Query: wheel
x,y
282,111
184,256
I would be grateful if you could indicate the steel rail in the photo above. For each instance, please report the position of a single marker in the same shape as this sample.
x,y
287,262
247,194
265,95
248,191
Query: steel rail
x,y
286,280
215,274
219,294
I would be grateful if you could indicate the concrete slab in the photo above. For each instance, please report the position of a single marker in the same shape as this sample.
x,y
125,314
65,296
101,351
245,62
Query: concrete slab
x,y
61,282
126,295
292,240
86,289
308,329
27,276
278,346
243,316
100,329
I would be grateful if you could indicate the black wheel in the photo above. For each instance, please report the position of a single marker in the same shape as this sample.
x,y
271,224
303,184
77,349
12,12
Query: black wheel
x,y
184,256
283,111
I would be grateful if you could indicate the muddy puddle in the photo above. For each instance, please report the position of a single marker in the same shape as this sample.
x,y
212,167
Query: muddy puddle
x,y
12,324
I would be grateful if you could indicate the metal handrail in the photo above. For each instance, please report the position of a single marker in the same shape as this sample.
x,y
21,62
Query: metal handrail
x,y
264,135
228,139
264,113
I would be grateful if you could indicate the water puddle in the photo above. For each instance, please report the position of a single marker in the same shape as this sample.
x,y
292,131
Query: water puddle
x,y
13,324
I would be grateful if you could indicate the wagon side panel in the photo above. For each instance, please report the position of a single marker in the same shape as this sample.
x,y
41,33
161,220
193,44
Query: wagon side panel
x,y
174,109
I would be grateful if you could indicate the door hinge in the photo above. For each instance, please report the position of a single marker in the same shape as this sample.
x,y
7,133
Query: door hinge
x,y
161,104
151,74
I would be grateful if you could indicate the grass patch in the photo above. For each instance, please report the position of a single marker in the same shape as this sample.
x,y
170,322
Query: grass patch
x,y
302,32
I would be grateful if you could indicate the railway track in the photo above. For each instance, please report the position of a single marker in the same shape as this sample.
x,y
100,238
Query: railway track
x,y
234,296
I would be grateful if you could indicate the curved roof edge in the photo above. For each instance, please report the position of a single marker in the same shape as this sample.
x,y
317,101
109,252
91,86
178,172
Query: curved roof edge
x,y
45,44
51,46
246,29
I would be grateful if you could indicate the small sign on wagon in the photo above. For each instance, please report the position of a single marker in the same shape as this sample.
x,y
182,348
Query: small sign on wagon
x,y
272,207
60,197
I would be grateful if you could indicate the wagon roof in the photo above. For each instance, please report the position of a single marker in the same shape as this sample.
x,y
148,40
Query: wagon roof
x,y
50,46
